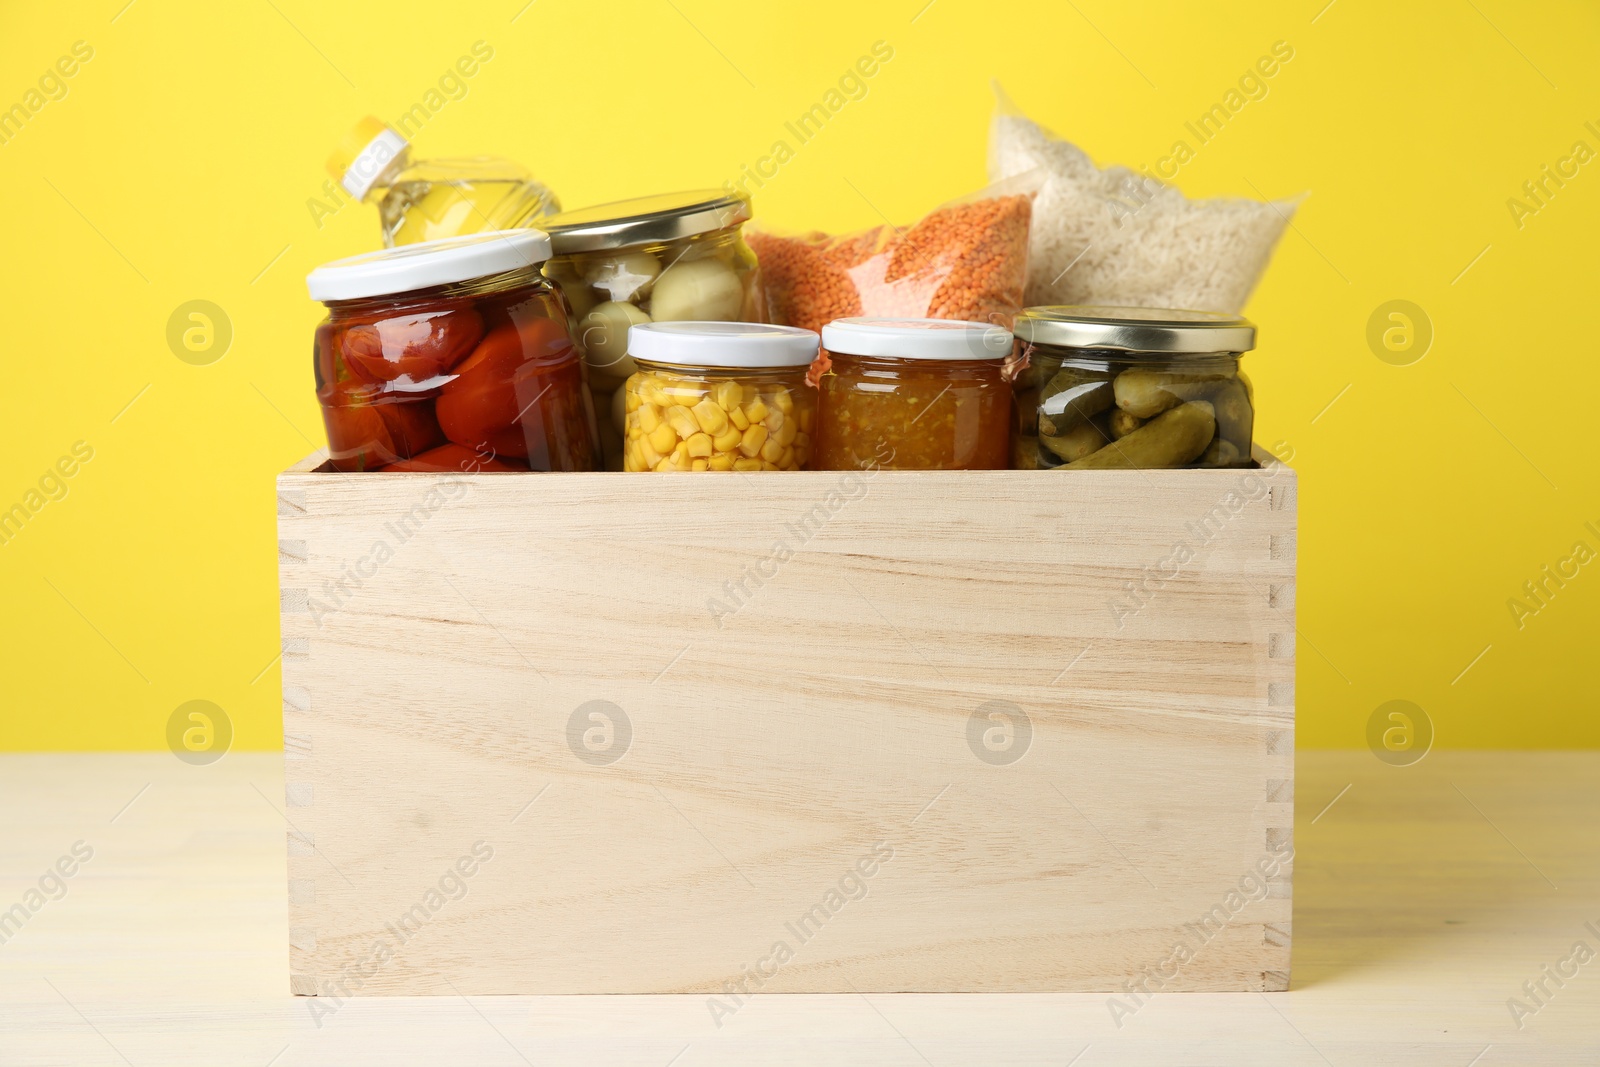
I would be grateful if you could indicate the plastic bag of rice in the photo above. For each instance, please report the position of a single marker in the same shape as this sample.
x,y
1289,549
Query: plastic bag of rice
x,y
1120,237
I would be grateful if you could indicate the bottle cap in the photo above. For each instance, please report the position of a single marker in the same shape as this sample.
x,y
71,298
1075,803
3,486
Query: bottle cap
x,y
362,155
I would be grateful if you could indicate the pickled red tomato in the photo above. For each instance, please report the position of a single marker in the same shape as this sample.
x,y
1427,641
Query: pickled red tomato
x,y
417,347
452,459
368,431
479,407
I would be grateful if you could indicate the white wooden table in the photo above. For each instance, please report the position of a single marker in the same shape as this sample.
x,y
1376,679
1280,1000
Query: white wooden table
x,y
1425,897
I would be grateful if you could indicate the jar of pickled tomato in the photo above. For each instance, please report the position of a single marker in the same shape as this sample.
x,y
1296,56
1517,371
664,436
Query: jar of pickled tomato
x,y
718,396
450,355
914,394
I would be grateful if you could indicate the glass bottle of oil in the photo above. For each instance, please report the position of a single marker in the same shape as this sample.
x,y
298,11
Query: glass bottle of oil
x,y
435,198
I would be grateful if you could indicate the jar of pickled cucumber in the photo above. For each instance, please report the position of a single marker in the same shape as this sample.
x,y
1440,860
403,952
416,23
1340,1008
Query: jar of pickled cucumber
x,y
1102,388
718,396
675,257
913,394
450,355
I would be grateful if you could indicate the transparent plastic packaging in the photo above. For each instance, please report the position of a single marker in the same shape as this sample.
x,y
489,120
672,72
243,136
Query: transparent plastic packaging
x,y
1124,388
671,258
1123,237
476,374
432,199
966,260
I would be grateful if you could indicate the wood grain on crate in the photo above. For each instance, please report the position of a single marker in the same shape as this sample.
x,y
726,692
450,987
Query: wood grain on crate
x,y
821,679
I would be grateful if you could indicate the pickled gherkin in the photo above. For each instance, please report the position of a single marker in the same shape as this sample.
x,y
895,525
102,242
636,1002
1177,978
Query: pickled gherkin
x,y
1173,438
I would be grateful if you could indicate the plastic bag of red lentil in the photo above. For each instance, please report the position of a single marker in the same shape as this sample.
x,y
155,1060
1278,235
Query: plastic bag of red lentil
x,y
965,260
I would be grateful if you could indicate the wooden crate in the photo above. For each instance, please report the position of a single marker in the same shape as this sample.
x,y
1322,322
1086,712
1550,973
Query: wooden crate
x,y
583,733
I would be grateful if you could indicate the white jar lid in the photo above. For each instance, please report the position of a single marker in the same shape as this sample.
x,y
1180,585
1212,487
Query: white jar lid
x,y
748,345
916,338
427,264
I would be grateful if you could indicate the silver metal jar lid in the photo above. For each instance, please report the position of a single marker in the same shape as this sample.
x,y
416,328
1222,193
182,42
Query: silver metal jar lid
x,y
1165,330
645,220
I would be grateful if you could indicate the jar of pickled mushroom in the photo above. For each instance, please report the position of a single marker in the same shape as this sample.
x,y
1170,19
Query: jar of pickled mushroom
x,y
1116,388
450,355
675,257
718,396
913,394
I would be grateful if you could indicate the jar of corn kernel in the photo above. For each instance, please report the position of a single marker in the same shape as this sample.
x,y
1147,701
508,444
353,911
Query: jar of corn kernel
x,y
718,396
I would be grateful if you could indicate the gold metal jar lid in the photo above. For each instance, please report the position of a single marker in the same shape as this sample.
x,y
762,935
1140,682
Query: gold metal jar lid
x,y
1162,330
645,220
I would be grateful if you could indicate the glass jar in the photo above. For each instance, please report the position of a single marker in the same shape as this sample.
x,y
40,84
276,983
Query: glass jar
x,y
1121,388
675,257
450,355
718,396
913,394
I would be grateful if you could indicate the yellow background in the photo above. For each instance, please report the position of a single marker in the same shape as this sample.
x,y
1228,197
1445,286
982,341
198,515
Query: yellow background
x,y
181,160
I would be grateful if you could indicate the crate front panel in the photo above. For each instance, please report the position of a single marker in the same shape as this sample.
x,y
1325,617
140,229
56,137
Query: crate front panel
x,y
887,732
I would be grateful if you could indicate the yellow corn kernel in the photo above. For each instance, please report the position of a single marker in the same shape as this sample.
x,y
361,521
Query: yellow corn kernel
x,y
648,454
775,419
700,445
755,412
712,419
786,460
748,395
651,392
805,419
682,422
728,440
720,462
686,394
754,438
682,462
737,417
771,450
664,466
728,395
631,400
783,400
649,417
681,453
802,440
786,433
699,465
662,439
743,464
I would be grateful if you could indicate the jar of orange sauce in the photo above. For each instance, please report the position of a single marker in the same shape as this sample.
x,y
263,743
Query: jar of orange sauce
x,y
913,394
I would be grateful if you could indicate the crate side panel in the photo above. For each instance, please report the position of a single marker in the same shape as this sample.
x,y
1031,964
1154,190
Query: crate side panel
x,y
817,710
